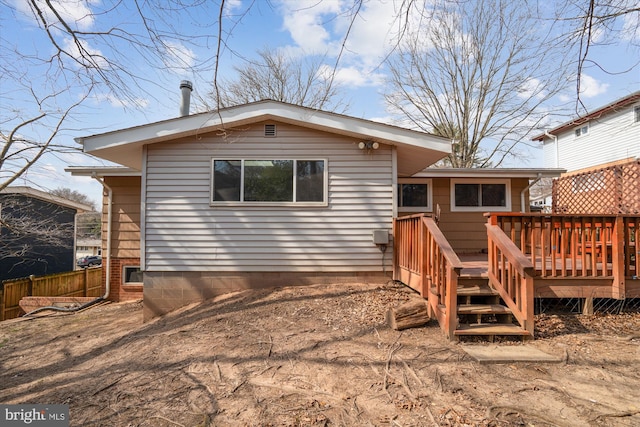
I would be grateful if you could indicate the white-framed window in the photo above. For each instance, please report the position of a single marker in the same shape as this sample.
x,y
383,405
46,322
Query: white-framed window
x,y
415,195
636,114
474,195
274,182
131,275
582,130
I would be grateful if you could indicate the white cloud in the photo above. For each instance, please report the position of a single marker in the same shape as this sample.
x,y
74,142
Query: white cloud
x,y
75,13
121,102
590,87
230,6
307,21
352,76
73,49
370,38
532,88
631,27
178,58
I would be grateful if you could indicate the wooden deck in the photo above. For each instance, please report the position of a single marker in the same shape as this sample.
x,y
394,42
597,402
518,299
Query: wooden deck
x,y
550,286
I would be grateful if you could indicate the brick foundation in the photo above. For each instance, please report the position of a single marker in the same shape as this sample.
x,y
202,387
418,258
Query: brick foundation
x,y
118,290
165,292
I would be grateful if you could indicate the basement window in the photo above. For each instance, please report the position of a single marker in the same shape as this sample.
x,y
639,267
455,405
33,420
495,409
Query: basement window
x,y
267,182
131,275
480,195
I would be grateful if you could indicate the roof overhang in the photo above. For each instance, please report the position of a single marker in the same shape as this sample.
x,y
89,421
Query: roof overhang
x,y
415,150
102,171
596,114
41,195
484,173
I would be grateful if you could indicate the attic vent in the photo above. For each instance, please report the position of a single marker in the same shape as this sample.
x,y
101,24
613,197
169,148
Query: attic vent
x,y
269,130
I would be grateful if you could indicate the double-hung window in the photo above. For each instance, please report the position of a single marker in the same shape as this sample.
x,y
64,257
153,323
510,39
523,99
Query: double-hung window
x,y
484,195
269,181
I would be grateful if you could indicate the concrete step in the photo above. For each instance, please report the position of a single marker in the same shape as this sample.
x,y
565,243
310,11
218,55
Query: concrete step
x,y
483,329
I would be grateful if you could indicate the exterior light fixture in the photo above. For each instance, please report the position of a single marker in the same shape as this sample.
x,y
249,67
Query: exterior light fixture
x,y
368,145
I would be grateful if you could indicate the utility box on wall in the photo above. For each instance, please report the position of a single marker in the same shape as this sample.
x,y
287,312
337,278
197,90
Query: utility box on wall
x,y
381,237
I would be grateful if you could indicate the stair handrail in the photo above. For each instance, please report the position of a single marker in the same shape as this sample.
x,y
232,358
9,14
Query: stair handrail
x,y
442,268
511,273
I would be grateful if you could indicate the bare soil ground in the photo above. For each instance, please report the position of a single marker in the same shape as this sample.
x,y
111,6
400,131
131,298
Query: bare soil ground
x,y
313,356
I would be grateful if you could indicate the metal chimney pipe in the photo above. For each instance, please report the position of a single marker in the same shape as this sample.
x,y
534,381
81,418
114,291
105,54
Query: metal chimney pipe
x,y
185,102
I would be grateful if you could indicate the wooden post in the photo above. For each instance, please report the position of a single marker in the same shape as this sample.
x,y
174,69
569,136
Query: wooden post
x,y
86,282
587,308
32,278
424,285
451,284
396,240
2,304
617,258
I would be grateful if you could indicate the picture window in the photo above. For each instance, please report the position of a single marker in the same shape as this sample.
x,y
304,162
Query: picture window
x,y
267,181
470,195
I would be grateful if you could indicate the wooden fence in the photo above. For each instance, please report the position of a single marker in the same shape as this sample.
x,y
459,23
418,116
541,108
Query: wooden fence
x,y
83,283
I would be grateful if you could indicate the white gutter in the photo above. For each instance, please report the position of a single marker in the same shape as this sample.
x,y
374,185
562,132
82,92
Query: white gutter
x,y
109,215
555,138
522,207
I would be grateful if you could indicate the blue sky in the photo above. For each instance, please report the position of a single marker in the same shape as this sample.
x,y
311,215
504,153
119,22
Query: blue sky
x,y
302,28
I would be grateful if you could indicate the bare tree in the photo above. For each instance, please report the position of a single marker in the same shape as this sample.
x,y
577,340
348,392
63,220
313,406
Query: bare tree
x,y
281,77
73,195
81,51
592,23
477,70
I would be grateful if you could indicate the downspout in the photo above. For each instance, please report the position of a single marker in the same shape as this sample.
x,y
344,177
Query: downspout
x,y
108,266
534,182
107,288
555,138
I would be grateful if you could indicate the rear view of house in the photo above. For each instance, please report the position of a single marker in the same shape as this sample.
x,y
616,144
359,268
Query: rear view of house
x,y
260,195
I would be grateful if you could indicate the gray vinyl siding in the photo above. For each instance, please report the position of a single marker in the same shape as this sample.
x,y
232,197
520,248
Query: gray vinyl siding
x,y
614,136
185,233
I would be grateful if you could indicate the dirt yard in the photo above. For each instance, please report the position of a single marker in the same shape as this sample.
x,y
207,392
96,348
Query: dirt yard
x,y
313,356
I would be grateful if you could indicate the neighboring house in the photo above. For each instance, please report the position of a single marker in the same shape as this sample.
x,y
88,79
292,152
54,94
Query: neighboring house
x,y
271,194
37,232
601,152
607,134
87,247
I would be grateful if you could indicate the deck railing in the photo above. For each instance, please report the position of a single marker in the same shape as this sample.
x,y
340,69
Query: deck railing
x,y
511,274
576,246
425,261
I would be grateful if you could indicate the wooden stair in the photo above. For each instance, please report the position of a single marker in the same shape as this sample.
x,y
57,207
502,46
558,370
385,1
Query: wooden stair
x,y
481,312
